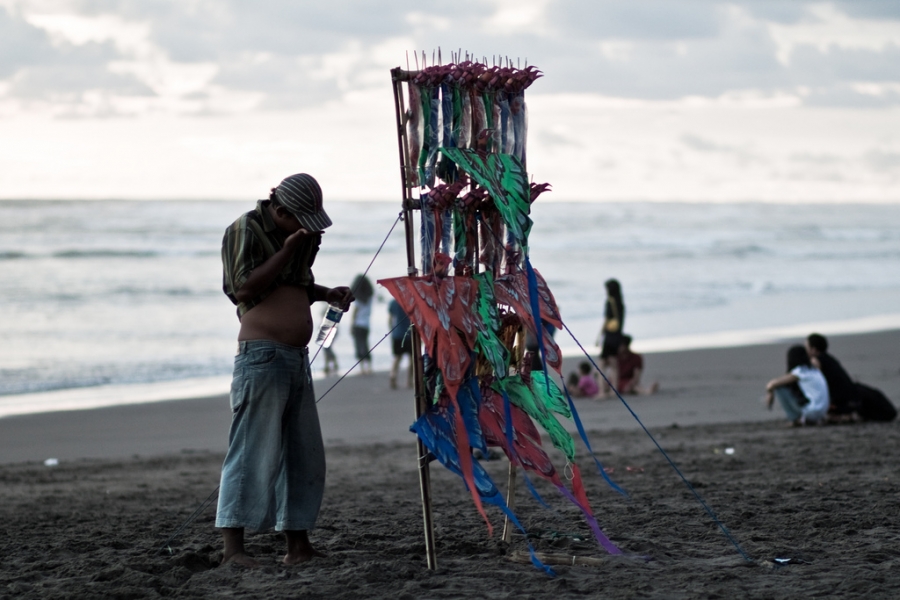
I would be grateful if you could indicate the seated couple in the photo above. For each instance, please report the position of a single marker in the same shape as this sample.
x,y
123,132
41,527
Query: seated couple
x,y
816,389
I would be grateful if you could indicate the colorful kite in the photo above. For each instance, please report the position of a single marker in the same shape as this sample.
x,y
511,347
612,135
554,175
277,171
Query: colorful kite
x,y
463,145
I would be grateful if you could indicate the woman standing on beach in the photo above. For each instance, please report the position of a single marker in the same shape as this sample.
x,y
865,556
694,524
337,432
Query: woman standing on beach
x,y
362,314
611,333
802,391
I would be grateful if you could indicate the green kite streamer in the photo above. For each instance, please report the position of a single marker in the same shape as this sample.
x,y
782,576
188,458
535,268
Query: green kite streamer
x,y
504,177
521,395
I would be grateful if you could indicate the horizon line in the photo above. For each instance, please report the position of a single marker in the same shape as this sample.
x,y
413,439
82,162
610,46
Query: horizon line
x,y
866,201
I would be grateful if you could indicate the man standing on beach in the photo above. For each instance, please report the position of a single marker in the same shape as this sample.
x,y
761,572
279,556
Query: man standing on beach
x,y
274,471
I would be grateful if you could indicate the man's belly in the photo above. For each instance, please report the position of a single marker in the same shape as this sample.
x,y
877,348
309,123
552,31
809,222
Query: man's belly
x,y
283,317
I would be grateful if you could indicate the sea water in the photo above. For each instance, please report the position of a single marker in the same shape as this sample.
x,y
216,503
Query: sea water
x,y
108,302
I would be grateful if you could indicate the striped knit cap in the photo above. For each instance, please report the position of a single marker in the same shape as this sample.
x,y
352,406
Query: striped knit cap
x,y
302,196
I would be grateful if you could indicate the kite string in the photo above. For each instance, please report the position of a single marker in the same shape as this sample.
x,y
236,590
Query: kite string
x,y
356,364
188,521
699,498
366,272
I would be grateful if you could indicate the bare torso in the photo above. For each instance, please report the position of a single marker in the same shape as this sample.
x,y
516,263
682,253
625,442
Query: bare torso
x,y
283,317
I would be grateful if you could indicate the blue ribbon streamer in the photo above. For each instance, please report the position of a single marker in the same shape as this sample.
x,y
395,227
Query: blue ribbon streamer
x,y
584,438
536,315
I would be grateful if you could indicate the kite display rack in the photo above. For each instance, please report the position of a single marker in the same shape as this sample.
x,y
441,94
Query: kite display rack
x,y
465,129
487,348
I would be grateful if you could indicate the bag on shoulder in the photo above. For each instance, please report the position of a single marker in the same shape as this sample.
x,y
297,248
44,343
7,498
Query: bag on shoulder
x,y
874,405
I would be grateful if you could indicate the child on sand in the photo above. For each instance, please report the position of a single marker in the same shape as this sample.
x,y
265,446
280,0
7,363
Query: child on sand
x,y
584,385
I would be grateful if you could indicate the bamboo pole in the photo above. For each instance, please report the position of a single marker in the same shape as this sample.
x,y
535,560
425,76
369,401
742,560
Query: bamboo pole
x,y
518,357
421,400
511,479
510,500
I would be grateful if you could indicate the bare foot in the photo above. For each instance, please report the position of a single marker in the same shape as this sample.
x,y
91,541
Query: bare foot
x,y
299,548
302,557
240,559
233,552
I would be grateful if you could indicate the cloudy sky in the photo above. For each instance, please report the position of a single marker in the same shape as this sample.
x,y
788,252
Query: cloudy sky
x,y
641,100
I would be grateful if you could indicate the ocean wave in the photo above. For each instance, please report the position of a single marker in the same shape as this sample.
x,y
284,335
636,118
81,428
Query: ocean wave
x,y
105,253
32,380
112,253
126,290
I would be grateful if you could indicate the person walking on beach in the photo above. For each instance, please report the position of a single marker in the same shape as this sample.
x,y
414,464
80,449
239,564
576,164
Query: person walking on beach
x,y
401,341
611,332
802,391
362,314
274,470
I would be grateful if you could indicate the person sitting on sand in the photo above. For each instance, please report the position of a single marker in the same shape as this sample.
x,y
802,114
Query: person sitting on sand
x,y
842,392
274,470
583,385
850,400
802,391
631,366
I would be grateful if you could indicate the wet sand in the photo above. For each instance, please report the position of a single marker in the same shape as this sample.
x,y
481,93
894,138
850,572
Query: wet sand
x,y
824,497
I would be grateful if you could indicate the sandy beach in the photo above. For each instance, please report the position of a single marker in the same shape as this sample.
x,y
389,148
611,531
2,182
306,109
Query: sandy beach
x,y
823,497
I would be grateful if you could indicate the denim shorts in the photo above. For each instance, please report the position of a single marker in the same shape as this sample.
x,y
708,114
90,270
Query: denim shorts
x,y
274,471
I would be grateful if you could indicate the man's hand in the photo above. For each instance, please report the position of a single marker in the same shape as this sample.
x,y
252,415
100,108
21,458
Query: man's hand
x,y
342,296
293,240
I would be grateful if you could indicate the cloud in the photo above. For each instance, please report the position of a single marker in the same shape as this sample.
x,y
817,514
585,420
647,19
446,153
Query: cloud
x,y
40,70
21,45
74,70
817,158
743,155
874,9
289,54
883,161
290,82
652,20
198,30
837,65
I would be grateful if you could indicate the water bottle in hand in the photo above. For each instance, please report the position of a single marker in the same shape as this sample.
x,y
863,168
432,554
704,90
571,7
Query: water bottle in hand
x,y
328,329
